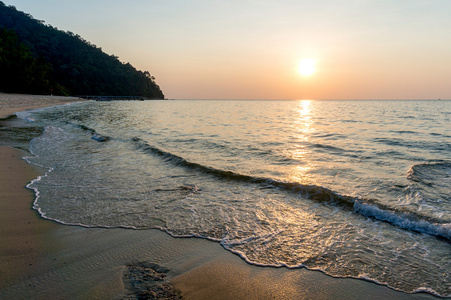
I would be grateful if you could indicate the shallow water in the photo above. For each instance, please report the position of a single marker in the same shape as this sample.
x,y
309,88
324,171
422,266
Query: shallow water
x,y
353,188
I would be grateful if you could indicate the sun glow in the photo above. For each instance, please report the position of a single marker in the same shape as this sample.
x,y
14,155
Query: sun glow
x,y
307,67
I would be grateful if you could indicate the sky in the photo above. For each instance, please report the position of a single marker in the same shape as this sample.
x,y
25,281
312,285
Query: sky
x,y
248,49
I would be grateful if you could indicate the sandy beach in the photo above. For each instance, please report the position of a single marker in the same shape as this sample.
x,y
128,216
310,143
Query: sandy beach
x,y
41,259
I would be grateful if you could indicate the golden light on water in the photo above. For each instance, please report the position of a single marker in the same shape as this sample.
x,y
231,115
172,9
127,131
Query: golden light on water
x,y
304,122
304,128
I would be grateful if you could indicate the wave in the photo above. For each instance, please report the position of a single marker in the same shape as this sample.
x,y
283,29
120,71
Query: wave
x,y
404,221
332,150
328,147
94,134
26,115
404,131
367,207
397,142
430,173
440,135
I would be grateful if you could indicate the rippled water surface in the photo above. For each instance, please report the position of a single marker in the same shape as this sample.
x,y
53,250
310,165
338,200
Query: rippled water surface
x,y
353,188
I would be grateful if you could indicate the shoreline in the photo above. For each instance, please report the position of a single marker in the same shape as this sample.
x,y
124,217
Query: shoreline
x,y
12,103
40,258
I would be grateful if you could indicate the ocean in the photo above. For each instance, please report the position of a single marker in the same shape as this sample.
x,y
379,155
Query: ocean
x,y
357,189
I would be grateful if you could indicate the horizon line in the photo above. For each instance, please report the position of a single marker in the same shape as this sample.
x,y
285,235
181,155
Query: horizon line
x,y
307,99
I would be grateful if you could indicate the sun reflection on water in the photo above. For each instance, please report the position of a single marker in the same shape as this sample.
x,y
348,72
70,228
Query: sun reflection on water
x,y
304,122
304,128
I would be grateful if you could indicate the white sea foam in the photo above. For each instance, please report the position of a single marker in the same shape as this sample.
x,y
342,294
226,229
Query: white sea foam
x,y
25,115
403,221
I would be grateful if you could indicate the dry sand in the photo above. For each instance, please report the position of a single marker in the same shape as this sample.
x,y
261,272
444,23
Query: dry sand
x,y
41,259
11,103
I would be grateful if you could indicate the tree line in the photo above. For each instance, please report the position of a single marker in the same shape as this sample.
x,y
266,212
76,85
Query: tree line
x,y
39,59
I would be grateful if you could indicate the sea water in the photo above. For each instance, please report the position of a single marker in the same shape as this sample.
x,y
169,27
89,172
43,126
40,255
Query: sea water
x,y
356,189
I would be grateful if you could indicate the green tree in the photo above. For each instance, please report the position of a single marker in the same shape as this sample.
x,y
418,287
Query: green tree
x,y
43,58
20,71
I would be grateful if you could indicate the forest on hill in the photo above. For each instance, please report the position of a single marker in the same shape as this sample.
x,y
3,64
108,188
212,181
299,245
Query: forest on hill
x,y
36,58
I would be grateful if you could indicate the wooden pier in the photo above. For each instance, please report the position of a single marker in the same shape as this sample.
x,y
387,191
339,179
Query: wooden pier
x,y
113,98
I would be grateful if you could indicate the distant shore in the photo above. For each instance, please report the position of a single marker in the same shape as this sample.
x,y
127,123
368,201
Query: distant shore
x,y
41,259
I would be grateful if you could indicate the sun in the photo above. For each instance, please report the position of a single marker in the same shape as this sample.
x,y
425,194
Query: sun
x,y
307,67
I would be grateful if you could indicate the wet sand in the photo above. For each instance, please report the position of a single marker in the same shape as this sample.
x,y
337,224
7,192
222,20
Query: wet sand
x,y
41,259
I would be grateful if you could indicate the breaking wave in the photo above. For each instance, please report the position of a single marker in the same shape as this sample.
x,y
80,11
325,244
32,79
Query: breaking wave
x,y
407,220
